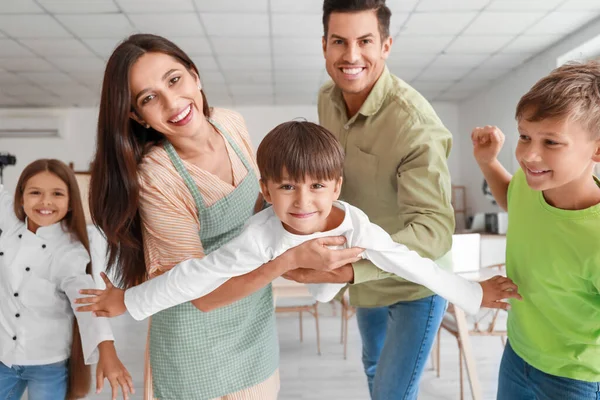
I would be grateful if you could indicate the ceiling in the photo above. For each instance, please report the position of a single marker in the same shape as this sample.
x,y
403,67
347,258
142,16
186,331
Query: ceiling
x,y
265,52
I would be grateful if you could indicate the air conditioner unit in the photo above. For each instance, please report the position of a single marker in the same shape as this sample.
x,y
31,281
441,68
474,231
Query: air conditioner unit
x,y
31,124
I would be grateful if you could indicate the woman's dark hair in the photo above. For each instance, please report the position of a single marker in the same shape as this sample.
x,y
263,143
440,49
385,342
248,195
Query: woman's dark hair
x,y
80,376
121,144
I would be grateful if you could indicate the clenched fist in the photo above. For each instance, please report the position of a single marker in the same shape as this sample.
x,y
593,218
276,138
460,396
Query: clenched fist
x,y
487,143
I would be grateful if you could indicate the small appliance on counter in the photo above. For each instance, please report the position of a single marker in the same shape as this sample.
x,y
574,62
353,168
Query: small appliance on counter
x,y
496,223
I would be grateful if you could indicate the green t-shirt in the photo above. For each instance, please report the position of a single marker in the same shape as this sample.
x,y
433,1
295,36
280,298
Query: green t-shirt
x,y
553,255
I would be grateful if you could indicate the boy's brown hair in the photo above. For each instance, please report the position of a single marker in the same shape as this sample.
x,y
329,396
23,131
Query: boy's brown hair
x,y
301,149
570,91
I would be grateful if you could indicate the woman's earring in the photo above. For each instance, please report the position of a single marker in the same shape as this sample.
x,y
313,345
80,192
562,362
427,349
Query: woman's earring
x,y
199,87
147,126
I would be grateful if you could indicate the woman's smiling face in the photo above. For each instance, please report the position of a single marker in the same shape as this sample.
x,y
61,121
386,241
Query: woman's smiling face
x,y
166,95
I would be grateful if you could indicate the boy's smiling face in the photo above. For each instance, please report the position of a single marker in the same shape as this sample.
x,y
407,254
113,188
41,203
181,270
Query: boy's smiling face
x,y
302,207
556,154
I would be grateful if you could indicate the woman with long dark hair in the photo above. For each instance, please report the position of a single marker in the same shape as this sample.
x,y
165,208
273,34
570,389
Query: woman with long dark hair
x,y
174,179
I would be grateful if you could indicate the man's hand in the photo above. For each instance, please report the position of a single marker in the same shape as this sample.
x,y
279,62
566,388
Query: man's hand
x,y
109,302
343,274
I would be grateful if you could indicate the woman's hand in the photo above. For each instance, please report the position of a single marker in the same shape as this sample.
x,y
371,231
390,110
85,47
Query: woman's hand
x,y
315,254
109,302
110,367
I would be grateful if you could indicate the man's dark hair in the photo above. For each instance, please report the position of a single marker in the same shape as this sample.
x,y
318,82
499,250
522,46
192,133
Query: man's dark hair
x,y
348,6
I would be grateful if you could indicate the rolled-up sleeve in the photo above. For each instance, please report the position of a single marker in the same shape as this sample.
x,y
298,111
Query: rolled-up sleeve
x,y
170,226
424,190
423,196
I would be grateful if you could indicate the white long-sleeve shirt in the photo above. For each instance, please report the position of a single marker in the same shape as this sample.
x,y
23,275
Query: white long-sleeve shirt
x,y
40,276
264,238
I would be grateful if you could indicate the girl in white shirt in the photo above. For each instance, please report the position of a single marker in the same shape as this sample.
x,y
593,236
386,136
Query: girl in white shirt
x,y
44,262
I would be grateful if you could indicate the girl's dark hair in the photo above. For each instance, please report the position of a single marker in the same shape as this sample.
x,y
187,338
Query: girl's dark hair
x,y
121,144
80,376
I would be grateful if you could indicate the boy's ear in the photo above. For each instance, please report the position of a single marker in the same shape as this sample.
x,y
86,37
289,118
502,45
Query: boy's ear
x,y
265,191
338,188
596,156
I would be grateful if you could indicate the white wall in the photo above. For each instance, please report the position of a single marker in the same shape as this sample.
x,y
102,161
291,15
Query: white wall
x,y
496,106
448,113
76,144
78,139
260,119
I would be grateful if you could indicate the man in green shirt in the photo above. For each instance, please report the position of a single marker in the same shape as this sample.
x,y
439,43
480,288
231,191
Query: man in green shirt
x,y
396,172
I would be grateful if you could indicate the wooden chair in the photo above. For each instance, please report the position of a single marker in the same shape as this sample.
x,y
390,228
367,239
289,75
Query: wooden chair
x,y
83,181
466,255
292,297
347,313
459,204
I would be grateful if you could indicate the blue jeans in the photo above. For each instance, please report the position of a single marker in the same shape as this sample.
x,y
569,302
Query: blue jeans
x,y
43,382
520,381
397,340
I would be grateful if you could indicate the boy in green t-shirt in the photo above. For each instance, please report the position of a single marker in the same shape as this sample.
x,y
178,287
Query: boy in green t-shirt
x,y
553,239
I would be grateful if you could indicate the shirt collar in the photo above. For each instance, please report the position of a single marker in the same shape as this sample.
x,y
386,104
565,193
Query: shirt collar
x,y
374,100
47,232
345,226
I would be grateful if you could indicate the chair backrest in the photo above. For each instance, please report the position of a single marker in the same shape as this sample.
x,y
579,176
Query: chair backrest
x,y
466,252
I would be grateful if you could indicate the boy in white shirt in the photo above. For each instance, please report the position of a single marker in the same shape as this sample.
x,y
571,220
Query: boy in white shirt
x,y
301,167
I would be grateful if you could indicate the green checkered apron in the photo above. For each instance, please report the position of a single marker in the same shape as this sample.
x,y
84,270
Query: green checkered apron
x,y
199,355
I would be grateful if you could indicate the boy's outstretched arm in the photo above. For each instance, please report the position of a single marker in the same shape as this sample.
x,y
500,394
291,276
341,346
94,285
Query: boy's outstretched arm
x,y
398,259
236,270
487,143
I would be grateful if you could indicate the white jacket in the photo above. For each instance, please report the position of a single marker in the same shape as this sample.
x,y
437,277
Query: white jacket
x,y
40,276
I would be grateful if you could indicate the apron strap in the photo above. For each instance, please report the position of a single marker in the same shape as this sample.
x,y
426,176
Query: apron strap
x,y
233,144
184,173
187,178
